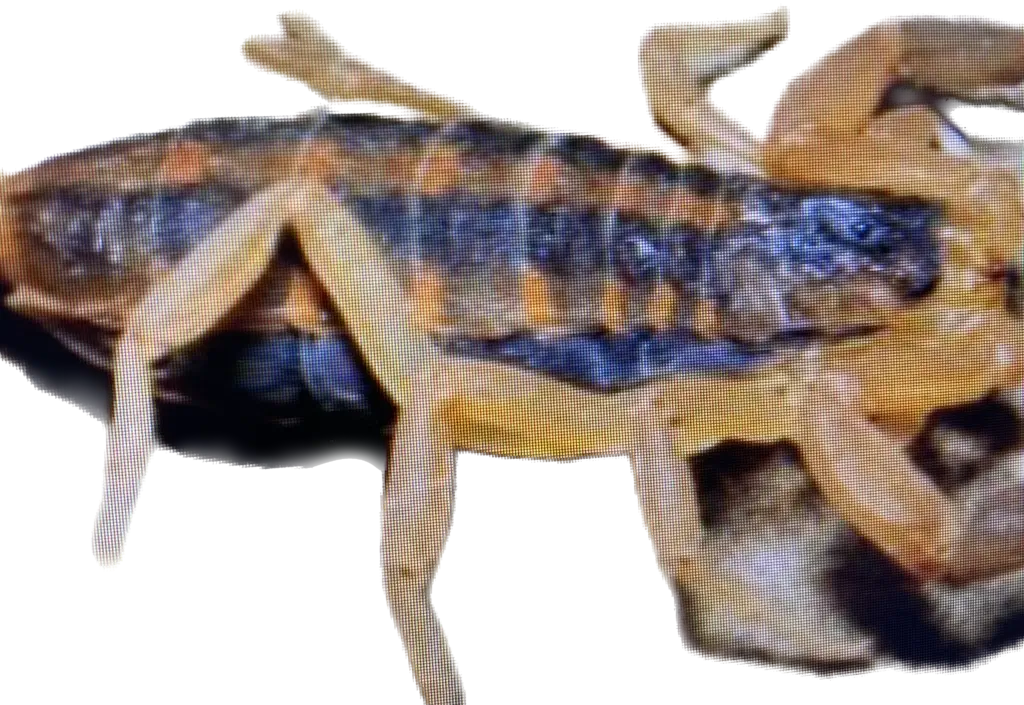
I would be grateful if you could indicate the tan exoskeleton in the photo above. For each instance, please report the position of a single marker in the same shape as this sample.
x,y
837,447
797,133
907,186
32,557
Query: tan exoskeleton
x,y
847,406
832,110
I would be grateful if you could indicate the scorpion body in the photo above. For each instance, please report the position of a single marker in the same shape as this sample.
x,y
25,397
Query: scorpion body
x,y
536,295
601,267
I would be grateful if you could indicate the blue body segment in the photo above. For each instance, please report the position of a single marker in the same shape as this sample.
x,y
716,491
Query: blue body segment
x,y
277,373
783,248
787,240
106,235
756,254
611,362
279,368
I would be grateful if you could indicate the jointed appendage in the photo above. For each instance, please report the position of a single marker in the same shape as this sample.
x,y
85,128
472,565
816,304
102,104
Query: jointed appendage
x,y
678,64
419,498
828,109
181,309
445,404
308,55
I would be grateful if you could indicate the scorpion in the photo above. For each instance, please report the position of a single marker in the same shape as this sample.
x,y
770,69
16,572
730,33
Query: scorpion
x,y
533,295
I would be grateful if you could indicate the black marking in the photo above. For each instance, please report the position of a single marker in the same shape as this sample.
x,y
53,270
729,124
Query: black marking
x,y
1015,290
638,257
105,235
390,216
834,236
587,153
661,172
613,362
682,251
564,242
461,234
486,138
251,131
372,133
358,132
786,246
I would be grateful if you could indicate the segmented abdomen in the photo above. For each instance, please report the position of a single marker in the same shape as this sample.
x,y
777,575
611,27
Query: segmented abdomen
x,y
503,232
602,266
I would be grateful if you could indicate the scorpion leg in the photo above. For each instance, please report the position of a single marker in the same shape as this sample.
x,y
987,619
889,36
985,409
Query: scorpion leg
x,y
308,55
419,497
679,63
420,478
667,492
339,253
828,112
476,405
838,98
871,482
939,356
179,310
832,111
876,487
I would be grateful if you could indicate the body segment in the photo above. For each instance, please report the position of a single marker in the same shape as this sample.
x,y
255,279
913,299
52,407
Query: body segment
x,y
538,295
599,266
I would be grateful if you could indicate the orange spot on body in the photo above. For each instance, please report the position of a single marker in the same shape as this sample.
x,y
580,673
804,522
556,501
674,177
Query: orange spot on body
x,y
613,304
707,214
546,179
440,172
318,162
186,163
705,319
661,307
634,199
305,308
428,298
536,297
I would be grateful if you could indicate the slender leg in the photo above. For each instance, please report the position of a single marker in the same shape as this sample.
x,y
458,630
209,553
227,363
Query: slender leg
x,y
870,481
667,493
308,55
179,310
943,356
419,496
967,59
420,479
340,253
875,486
416,513
679,63
820,132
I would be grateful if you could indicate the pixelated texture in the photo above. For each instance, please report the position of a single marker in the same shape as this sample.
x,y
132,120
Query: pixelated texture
x,y
832,597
